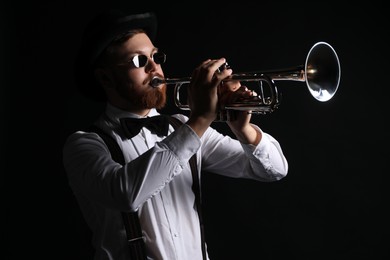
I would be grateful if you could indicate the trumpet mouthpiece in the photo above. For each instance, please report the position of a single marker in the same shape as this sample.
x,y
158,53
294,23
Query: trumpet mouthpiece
x,y
156,81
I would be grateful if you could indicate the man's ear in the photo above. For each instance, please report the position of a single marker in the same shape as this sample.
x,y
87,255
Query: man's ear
x,y
104,77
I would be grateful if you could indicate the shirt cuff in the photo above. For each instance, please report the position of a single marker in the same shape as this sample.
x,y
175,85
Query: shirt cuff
x,y
183,142
261,147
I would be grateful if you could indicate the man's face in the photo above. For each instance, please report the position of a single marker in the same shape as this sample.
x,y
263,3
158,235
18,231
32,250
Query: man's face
x,y
132,83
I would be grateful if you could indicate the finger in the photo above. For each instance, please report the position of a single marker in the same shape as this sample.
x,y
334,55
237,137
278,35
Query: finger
x,y
243,92
197,71
216,72
231,85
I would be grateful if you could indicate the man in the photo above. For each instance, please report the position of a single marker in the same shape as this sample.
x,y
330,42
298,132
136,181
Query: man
x,y
117,63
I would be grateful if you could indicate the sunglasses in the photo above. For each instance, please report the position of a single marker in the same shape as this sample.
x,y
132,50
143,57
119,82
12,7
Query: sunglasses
x,y
141,60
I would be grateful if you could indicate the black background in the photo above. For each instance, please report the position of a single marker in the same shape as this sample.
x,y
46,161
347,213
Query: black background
x,y
330,206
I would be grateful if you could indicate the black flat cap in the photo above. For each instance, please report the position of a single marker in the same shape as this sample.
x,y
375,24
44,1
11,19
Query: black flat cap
x,y
98,34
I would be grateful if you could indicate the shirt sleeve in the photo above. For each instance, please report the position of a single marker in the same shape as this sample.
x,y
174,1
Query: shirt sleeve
x,y
94,174
226,156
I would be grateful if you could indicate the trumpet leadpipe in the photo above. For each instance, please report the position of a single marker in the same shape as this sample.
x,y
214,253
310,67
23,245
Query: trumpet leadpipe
x,y
157,81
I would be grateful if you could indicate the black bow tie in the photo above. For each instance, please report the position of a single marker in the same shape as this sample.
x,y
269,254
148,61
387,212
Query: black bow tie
x,y
156,124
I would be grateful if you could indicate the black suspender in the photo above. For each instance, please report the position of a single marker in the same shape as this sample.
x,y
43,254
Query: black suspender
x,y
195,188
130,219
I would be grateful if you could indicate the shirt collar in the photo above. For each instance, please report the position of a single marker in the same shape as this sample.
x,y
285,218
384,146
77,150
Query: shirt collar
x,y
115,113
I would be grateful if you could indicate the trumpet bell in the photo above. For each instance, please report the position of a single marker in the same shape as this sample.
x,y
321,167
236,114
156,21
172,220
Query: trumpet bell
x,y
322,71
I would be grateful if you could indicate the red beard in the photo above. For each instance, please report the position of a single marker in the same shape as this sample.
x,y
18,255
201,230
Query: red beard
x,y
155,99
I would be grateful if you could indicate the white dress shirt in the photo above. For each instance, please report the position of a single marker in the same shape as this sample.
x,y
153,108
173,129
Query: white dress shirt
x,y
156,180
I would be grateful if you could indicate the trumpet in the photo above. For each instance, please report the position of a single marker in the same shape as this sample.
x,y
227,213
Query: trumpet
x,y
321,72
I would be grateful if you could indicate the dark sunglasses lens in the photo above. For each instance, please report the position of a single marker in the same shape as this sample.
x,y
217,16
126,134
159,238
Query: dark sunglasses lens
x,y
159,57
140,61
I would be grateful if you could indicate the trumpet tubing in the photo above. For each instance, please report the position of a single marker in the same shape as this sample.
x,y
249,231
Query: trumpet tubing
x,y
321,72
